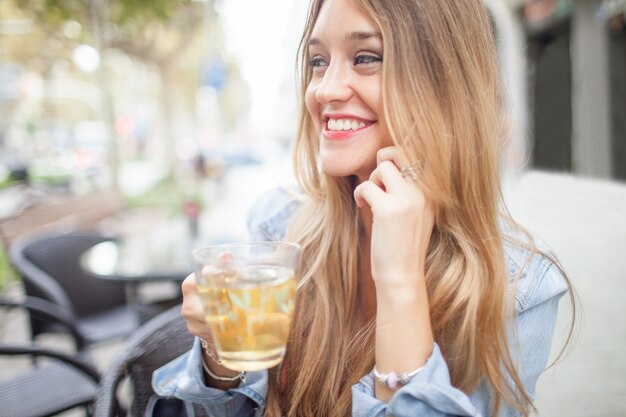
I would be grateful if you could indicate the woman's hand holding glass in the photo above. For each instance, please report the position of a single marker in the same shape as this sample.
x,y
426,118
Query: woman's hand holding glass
x,y
193,313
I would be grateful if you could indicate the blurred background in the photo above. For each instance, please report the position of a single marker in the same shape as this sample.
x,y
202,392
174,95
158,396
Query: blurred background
x,y
168,118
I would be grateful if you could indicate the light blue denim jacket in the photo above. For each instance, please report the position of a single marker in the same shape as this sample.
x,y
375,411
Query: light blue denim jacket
x,y
430,392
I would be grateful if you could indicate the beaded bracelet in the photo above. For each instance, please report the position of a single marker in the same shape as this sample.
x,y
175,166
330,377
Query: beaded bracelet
x,y
205,346
392,379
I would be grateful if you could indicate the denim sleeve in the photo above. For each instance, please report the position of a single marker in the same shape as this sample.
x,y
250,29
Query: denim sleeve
x,y
430,393
269,215
535,324
183,378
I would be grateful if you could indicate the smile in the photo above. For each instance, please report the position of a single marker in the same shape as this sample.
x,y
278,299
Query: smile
x,y
345,127
344,124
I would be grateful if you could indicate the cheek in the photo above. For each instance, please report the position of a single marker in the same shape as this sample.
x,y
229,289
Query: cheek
x,y
311,104
373,96
385,137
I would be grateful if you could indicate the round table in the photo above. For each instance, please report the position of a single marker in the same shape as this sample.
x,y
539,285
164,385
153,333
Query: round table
x,y
135,260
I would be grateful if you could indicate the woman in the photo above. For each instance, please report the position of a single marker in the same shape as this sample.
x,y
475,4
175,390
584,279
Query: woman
x,y
418,296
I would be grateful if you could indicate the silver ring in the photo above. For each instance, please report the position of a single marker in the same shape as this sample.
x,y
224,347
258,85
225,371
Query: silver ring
x,y
412,171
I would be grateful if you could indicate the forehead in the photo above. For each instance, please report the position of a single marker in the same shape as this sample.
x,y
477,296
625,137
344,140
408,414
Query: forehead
x,y
340,17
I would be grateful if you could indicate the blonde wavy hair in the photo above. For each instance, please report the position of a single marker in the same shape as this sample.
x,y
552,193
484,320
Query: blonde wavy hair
x,y
443,105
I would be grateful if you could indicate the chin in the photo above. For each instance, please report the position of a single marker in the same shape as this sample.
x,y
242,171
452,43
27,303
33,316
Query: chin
x,y
340,166
337,171
344,170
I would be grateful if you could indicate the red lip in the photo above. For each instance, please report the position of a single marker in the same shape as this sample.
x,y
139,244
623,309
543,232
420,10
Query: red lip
x,y
343,134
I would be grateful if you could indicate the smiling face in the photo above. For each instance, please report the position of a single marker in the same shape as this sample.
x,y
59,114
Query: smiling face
x,y
344,96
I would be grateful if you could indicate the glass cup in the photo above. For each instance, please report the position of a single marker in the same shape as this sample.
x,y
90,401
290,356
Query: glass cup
x,y
249,292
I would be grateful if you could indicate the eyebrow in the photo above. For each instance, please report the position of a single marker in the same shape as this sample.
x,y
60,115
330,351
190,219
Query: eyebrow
x,y
350,37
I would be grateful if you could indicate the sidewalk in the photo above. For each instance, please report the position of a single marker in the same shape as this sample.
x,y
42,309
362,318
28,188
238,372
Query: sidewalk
x,y
584,221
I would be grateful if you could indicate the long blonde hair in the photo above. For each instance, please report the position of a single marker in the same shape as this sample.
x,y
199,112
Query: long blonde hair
x,y
443,106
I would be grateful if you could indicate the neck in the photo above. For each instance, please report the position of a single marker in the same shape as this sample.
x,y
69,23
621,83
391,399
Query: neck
x,y
367,290
366,219
365,216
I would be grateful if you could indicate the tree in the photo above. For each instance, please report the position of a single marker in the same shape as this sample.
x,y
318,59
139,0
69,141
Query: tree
x,y
153,31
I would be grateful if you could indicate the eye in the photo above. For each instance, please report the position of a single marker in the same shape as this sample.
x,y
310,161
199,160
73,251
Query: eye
x,y
367,59
317,61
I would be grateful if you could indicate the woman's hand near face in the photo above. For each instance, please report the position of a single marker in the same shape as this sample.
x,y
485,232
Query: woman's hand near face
x,y
402,224
403,220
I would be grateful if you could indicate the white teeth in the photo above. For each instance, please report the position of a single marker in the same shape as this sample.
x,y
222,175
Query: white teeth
x,y
345,124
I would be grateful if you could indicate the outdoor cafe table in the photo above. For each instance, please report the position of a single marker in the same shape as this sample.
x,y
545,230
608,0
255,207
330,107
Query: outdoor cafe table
x,y
136,261
139,259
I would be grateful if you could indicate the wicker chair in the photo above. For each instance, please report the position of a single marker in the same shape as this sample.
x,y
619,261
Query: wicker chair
x,y
50,387
156,343
50,269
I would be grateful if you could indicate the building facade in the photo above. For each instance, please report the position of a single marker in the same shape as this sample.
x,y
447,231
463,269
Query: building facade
x,y
573,83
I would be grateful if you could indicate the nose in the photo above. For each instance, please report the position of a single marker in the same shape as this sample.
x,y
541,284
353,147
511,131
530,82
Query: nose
x,y
335,85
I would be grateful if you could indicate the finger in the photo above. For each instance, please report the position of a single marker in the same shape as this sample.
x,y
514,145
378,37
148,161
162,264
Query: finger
x,y
376,179
388,177
224,260
391,154
189,284
191,309
368,193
